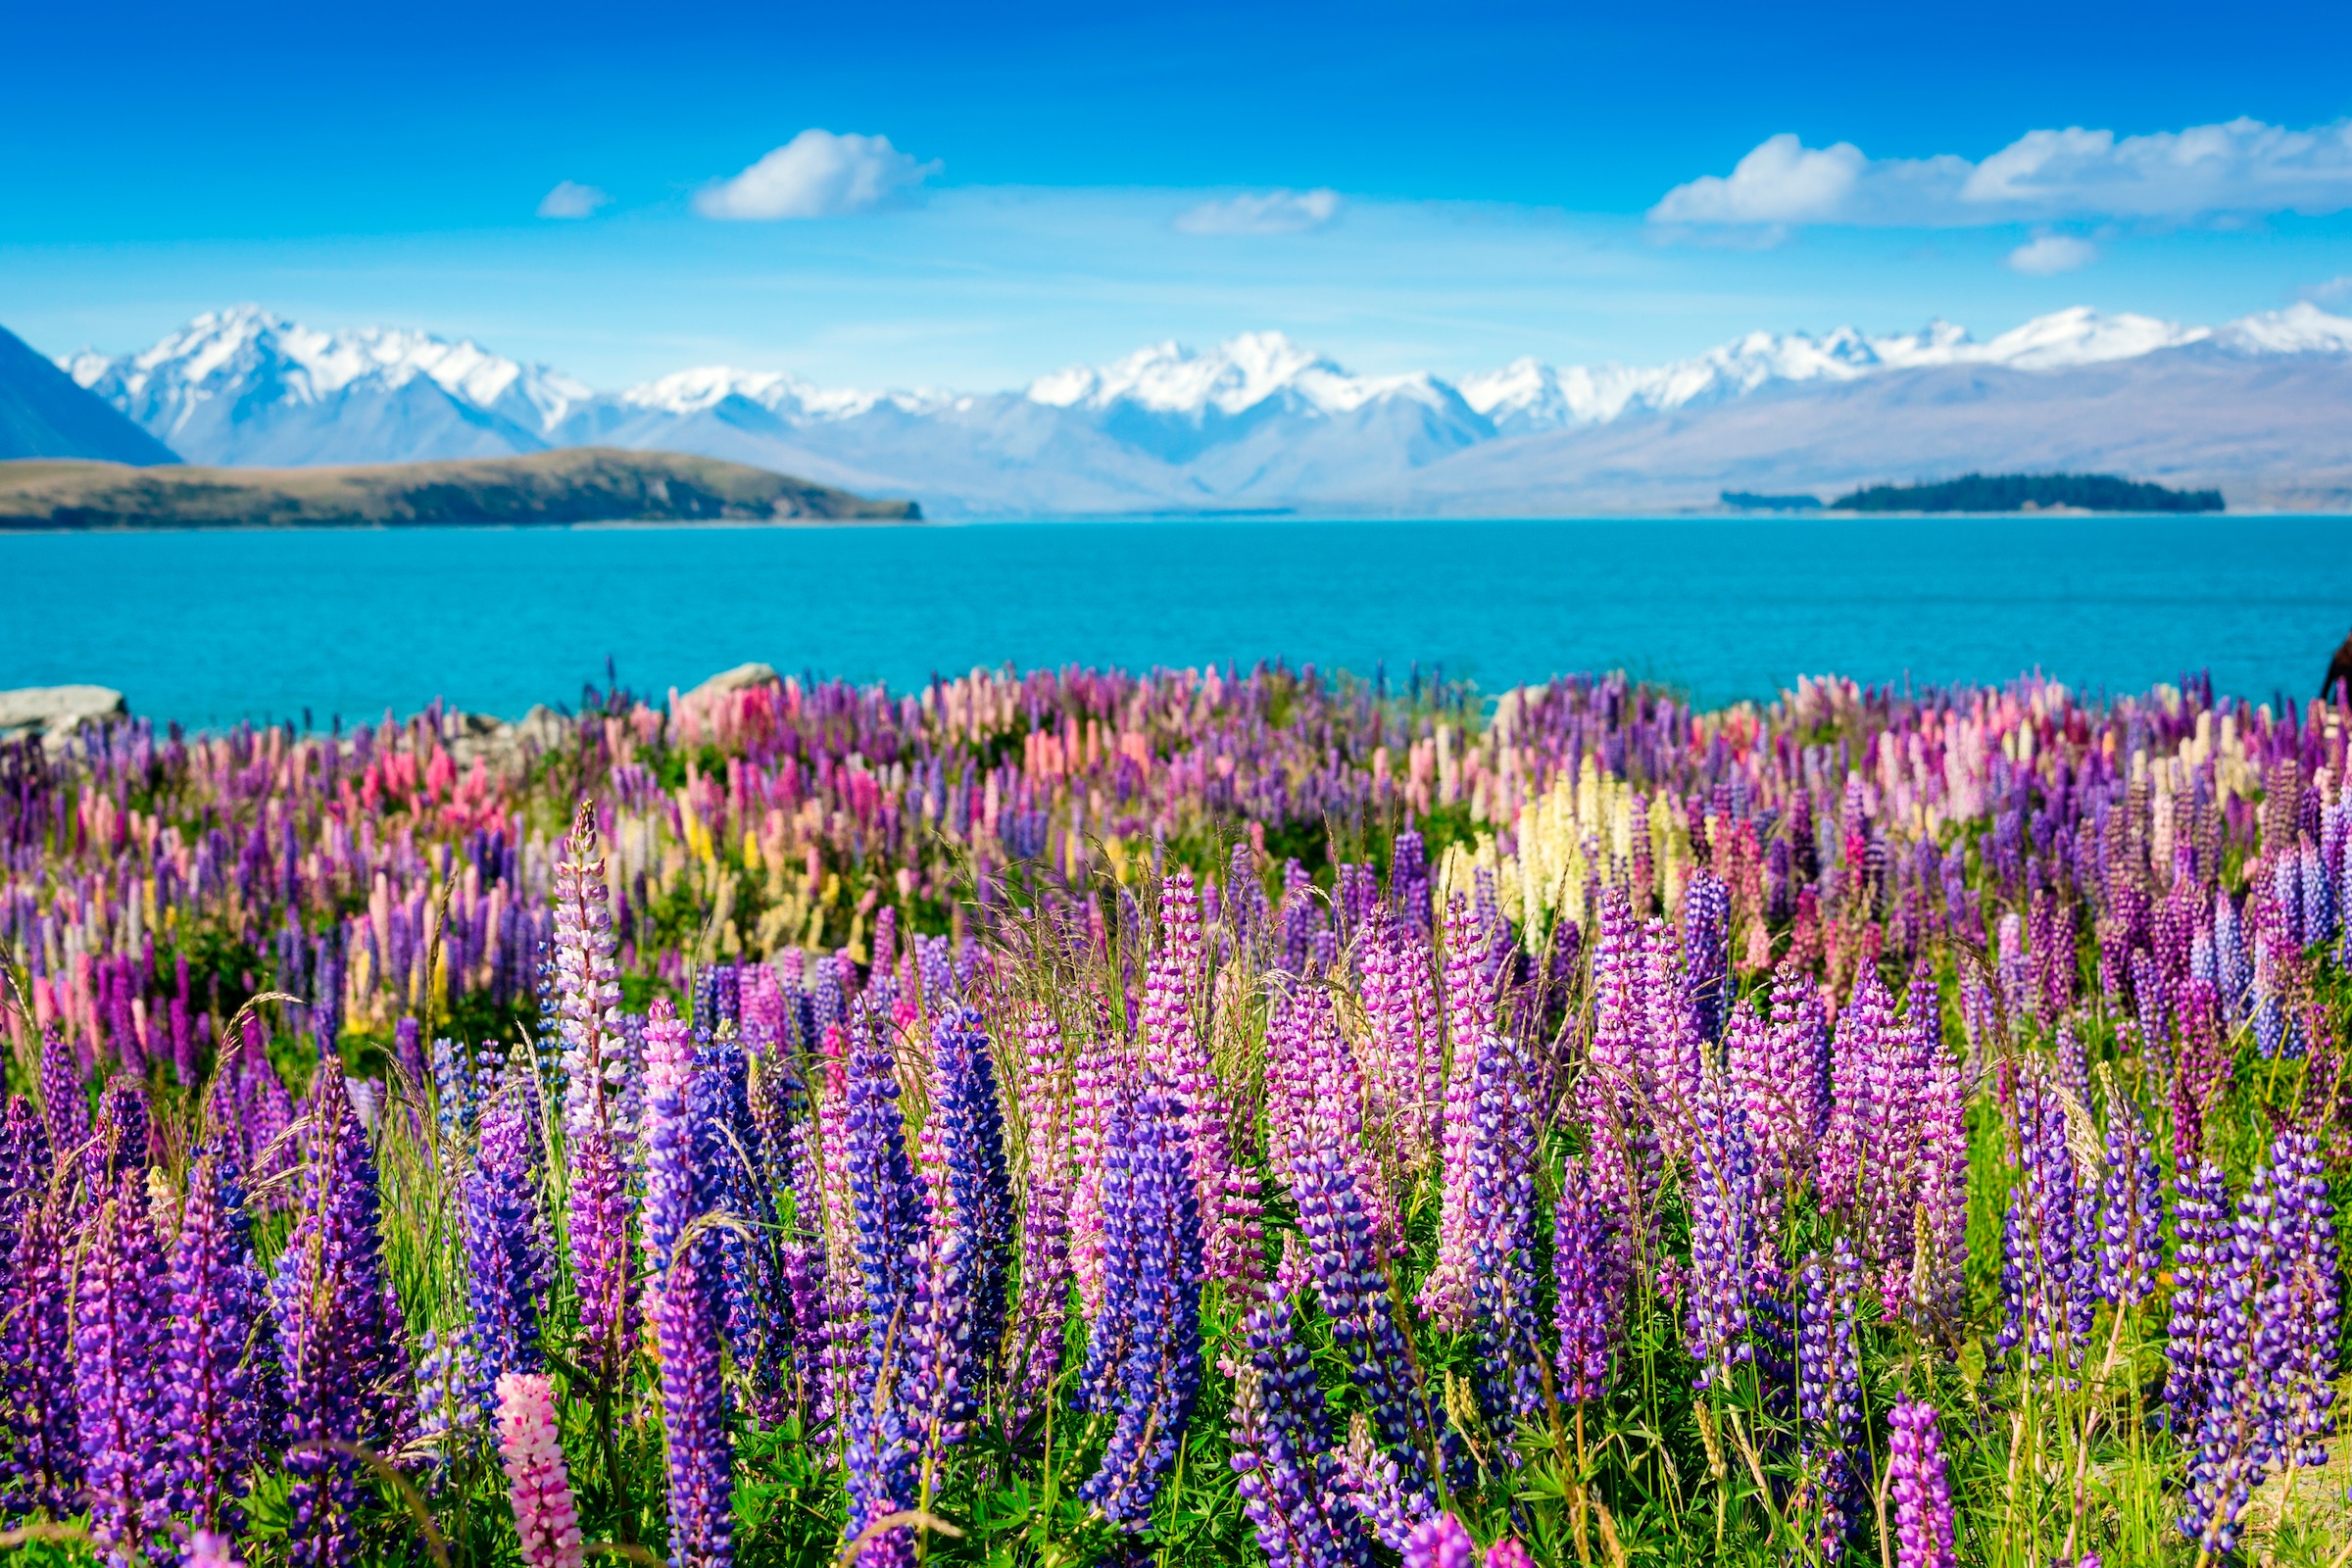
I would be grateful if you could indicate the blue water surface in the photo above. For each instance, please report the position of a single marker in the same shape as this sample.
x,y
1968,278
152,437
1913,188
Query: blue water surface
x,y
209,627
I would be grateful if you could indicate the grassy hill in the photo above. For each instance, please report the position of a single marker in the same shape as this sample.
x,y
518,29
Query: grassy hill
x,y
582,484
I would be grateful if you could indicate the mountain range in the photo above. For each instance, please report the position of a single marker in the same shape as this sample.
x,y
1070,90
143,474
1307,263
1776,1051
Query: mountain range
x,y
2260,407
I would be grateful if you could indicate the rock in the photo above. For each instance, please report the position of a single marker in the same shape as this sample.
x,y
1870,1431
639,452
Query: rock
x,y
55,713
504,746
740,679
2338,668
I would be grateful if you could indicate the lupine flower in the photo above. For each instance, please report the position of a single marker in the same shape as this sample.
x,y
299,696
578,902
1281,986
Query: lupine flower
x,y
1035,1354
63,1107
1282,1459
596,1124
1356,1299
701,1460
1404,1048
970,1236
451,1395
118,1138
118,1303
545,1519
40,1439
338,1328
884,1450
2132,1218
1856,1069
218,1371
1441,1542
1828,1397
1916,1480
1609,1094
1172,1042
1585,1292
1144,1362
677,1165
2048,1263
2202,1228
1723,1235
208,1549
506,1252
1707,952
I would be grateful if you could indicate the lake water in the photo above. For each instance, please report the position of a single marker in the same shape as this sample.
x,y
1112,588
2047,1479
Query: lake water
x,y
211,628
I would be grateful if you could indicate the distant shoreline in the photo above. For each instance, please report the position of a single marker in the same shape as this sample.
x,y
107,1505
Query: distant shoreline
x,y
578,487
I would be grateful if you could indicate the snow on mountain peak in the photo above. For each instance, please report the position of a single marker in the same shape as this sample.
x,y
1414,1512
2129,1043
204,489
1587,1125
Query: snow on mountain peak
x,y
2081,335
1236,375
2300,329
789,398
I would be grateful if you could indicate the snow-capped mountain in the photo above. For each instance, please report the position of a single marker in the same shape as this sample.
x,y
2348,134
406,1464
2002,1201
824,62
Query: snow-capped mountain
x,y
245,386
1255,421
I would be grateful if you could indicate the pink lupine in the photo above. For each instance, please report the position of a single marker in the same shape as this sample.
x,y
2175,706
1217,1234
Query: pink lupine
x,y
536,1480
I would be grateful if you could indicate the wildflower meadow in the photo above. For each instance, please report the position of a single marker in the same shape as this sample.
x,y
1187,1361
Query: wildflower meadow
x,y
1198,1117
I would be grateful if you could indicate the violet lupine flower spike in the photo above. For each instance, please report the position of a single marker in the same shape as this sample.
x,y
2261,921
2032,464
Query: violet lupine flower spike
x,y
546,1521
884,1455
117,1341
1583,1292
596,1128
2200,1255
688,1320
1282,1460
40,1440
1918,1484
970,1236
1045,1296
1172,1041
1441,1542
1723,1235
1144,1365
505,1252
338,1328
1828,1397
2132,1218
218,1369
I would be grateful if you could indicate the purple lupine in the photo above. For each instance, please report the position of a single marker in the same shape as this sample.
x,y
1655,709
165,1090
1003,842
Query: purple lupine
x,y
65,1109
1671,1046
2047,1263
2131,1217
2201,1226
1034,1356
1502,1253
2295,1335
1283,1461
1585,1294
40,1440
1828,1397
505,1250
1857,1069
218,1374
595,1060
1610,1094
338,1328
678,1173
1469,1011
884,1454
1173,980
1441,1542
970,1237
1707,952
687,1322
1354,1294
119,1301
1723,1235
1405,1045
1921,1492
1144,1362
1940,1275
119,1137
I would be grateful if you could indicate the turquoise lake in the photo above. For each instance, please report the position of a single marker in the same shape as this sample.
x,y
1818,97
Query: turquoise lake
x,y
211,628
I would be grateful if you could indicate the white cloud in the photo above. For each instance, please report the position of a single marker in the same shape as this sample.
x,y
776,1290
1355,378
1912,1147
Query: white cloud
x,y
2242,166
570,199
1272,212
819,175
2335,291
2051,254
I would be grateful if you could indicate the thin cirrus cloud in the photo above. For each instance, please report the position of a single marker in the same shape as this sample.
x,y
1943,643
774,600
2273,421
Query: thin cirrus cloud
x,y
819,175
570,199
2241,167
1271,211
2048,255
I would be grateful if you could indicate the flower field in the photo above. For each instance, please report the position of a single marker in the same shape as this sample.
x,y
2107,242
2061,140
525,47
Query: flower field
x,y
1201,1117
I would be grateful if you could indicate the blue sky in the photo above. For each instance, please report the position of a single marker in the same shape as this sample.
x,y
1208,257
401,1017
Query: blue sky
x,y
1464,183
